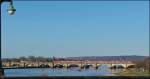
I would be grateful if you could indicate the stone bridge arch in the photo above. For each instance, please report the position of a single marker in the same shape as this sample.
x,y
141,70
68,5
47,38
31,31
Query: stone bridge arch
x,y
44,65
121,65
72,65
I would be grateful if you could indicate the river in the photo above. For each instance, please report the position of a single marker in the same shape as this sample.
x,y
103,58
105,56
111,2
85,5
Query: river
x,y
101,71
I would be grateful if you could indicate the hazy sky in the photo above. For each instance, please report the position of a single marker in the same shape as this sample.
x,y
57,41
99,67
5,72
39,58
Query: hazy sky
x,y
74,28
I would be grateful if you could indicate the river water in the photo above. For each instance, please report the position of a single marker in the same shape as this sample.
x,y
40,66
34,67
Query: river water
x,y
101,71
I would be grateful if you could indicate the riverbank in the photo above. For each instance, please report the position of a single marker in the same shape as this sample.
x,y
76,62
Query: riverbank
x,y
133,73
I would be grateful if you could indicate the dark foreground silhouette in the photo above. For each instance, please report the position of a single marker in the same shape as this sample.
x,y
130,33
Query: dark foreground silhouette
x,y
81,77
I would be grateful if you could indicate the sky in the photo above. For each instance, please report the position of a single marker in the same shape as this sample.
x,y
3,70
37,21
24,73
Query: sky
x,y
76,28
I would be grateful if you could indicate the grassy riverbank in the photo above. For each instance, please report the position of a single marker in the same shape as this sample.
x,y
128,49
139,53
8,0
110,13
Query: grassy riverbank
x,y
133,73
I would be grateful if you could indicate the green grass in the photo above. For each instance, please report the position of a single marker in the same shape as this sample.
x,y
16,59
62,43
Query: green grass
x,y
133,73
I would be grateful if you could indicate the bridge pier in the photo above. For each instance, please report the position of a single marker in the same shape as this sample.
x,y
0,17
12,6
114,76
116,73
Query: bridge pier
x,y
67,65
53,64
126,66
81,66
9,64
97,66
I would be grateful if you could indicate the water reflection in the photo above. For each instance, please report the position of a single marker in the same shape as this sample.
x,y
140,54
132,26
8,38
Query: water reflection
x,y
103,70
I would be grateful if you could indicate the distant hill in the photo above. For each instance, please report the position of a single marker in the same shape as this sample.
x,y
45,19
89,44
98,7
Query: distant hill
x,y
91,58
108,58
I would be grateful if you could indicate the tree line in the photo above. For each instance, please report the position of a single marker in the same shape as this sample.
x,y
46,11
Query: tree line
x,y
143,64
29,58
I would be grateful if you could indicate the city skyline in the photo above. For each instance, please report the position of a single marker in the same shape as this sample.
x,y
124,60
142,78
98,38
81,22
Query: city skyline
x,y
76,28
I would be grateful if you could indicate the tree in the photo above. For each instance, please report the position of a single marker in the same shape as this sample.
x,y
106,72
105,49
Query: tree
x,y
40,58
15,60
32,58
147,63
23,58
144,64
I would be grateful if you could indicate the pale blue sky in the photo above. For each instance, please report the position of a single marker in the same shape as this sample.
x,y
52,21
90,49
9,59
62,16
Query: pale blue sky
x,y
76,28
